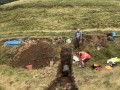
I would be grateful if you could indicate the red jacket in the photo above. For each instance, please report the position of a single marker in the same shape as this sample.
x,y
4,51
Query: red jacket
x,y
84,56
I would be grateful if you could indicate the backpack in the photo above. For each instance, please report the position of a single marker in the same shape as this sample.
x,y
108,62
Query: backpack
x,y
110,38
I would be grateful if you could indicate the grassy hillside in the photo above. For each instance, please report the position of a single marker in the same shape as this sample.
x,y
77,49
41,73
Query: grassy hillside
x,y
30,18
39,18
23,79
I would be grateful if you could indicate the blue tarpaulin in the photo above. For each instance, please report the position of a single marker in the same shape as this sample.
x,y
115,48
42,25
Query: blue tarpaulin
x,y
13,42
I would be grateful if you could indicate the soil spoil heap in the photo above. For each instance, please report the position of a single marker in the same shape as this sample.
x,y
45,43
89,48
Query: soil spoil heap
x,y
39,54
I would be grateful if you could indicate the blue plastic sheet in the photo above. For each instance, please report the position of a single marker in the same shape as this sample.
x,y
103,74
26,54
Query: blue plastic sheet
x,y
13,42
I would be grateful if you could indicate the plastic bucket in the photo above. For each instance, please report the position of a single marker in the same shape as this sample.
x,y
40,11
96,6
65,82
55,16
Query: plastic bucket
x,y
29,67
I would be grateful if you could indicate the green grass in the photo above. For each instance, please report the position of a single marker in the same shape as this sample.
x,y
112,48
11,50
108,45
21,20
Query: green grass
x,y
19,78
97,80
58,15
31,18
7,53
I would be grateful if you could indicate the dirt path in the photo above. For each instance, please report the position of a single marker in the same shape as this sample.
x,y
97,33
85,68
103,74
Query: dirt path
x,y
60,31
106,29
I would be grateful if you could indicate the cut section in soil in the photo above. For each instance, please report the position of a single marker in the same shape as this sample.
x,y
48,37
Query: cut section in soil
x,y
65,79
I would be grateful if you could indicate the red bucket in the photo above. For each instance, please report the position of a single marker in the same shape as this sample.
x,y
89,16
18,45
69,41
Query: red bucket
x,y
29,67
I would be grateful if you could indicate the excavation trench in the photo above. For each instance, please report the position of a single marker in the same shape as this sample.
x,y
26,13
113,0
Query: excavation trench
x,y
64,79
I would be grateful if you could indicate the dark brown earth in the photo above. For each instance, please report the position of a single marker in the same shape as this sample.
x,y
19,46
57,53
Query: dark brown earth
x,y
94,39
39,54
64,82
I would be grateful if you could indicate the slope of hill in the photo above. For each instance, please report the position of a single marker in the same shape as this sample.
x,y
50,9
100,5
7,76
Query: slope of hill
x,y
27,18
39,79
39,18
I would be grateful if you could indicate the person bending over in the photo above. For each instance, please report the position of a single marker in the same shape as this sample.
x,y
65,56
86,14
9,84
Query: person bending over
x,y
84,58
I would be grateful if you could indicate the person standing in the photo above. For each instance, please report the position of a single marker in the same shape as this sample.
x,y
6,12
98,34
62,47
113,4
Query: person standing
x,y
78,38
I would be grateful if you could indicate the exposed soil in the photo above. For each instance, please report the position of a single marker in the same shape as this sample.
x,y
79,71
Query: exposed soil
x,y
64,82
39,54
94,39
91,40
39,51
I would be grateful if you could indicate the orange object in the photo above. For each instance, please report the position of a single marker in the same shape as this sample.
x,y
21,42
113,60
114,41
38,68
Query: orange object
x,y
29,67
108,67
84,55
